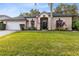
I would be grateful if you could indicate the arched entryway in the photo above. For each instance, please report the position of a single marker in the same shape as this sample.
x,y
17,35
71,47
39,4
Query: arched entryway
x,y
44,23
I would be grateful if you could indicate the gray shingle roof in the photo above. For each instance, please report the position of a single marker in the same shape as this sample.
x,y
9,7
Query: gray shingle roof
x,y
2,17
59,15
21,17
5,17
62,15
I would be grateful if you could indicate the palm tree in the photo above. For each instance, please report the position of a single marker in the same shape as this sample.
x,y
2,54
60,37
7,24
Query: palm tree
x,y
51,13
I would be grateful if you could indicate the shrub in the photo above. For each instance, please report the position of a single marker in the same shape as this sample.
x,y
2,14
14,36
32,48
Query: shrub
x,y
2,26
75,24
31,28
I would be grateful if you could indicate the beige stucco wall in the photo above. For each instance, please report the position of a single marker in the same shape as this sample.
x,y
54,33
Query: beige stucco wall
x,y
49,24
24,22
52,23
19,22
29,23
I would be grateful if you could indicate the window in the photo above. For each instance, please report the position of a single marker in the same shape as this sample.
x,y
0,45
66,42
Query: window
x,y
27,21
59,24
32,23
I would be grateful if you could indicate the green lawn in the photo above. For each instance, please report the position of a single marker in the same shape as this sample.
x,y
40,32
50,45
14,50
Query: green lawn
x,y
40,43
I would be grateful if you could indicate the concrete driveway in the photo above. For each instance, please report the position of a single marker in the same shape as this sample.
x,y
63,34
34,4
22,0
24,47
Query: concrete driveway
x,y
3,33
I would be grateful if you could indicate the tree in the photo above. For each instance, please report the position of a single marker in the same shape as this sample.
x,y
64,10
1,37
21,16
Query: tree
x,y
66,9
74,8
51,12
33,12
27,14
60,9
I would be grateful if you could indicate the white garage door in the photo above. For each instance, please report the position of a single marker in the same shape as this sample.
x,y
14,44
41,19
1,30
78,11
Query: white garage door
x,y
13,25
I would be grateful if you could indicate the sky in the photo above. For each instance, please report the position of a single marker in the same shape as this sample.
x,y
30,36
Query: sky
x,y
14,9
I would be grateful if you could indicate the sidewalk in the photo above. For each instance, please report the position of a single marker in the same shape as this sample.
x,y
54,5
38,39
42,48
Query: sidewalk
x,y
3,33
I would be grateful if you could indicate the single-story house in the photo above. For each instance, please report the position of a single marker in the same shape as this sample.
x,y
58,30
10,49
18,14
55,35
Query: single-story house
x,y
39,22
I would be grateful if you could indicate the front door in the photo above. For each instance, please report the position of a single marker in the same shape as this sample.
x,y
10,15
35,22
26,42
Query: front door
x,y
44,23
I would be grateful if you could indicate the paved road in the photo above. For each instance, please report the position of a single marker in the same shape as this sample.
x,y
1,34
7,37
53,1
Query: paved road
x,y
3,33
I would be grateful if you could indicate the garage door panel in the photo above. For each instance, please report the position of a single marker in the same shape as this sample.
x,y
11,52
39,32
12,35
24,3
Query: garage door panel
x,y
13,26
